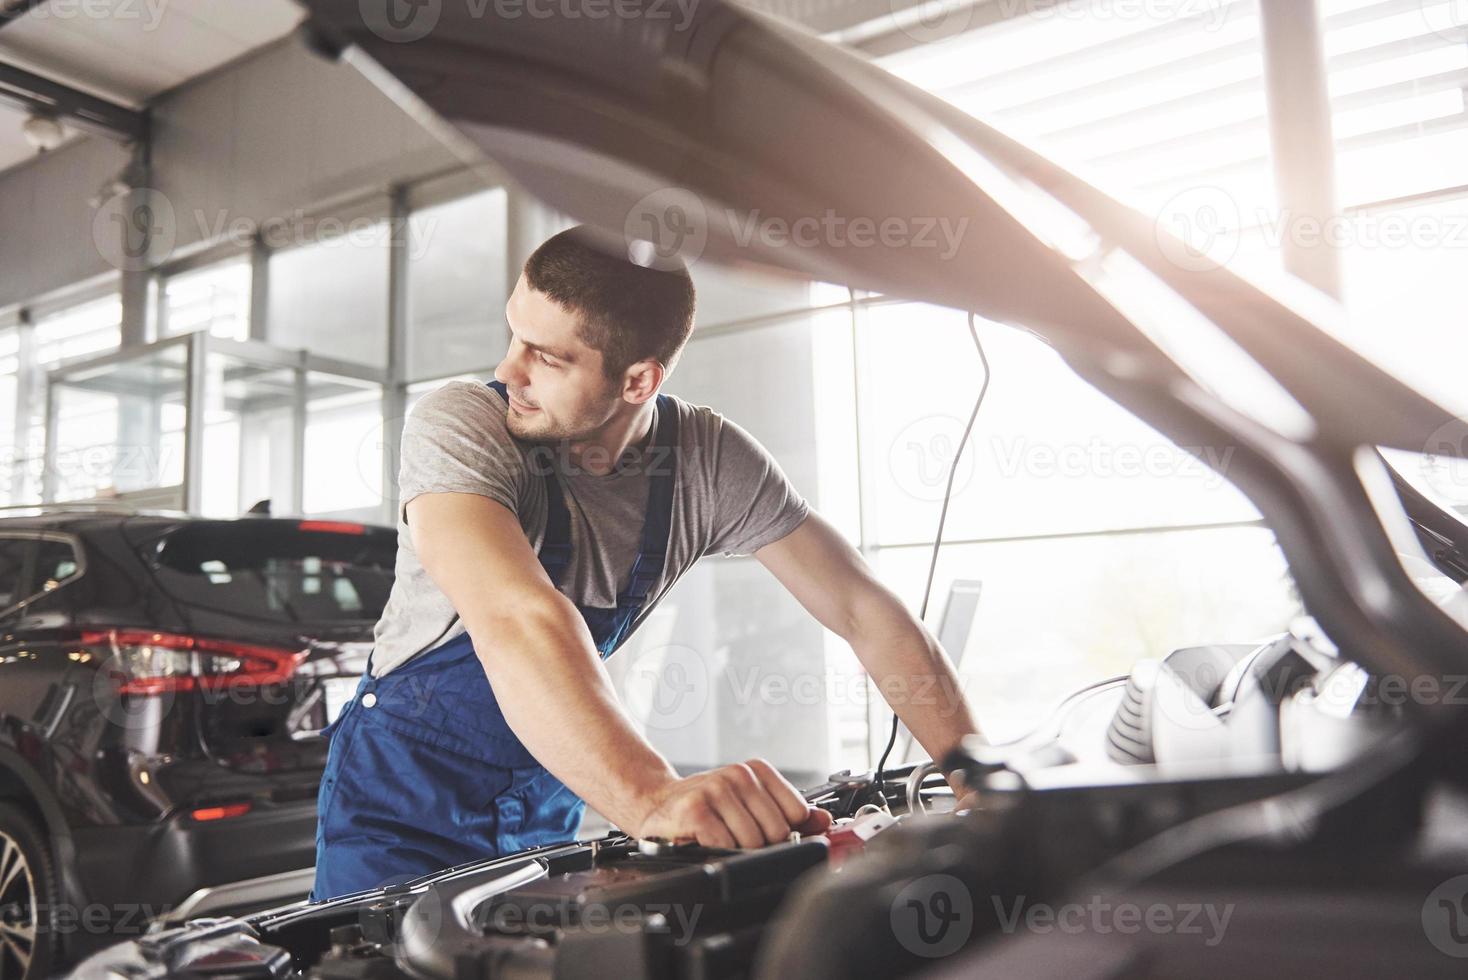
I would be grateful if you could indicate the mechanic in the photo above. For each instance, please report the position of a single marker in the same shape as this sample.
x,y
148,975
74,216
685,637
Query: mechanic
x,y
543,516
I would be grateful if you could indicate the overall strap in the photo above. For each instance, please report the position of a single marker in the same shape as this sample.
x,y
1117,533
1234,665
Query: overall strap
x,y
657,523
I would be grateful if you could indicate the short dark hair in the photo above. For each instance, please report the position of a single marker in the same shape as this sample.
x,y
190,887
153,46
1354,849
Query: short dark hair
x,y
628,312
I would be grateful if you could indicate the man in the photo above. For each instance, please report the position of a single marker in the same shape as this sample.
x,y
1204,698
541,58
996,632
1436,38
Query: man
x,y
543,516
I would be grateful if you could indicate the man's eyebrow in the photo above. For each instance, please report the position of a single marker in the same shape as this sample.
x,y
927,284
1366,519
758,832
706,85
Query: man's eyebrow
x,y
558,355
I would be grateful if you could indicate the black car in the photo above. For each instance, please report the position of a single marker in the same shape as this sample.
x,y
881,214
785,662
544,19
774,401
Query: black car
x,y
163,680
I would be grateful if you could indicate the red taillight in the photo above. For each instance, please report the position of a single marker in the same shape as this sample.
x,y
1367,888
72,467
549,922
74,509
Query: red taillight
x,y
221,812
332,527
157,663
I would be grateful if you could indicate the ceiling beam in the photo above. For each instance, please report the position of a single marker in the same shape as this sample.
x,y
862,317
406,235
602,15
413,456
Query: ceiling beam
x,y
32,93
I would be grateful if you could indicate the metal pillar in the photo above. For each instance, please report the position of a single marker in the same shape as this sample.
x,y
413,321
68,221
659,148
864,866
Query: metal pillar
x,y
1300,134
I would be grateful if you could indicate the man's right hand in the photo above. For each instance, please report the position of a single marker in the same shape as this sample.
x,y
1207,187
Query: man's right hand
x,y
743,805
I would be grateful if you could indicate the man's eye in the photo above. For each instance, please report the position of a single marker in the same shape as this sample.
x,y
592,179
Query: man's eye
x,y
545,360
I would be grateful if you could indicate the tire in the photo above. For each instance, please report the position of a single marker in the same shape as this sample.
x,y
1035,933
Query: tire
x,y
28,886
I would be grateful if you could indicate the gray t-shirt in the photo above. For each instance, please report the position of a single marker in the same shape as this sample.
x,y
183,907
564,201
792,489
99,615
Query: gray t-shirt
x,y
730,496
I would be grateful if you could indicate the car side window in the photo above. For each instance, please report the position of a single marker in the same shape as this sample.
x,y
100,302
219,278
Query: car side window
x,y
56,562
12,569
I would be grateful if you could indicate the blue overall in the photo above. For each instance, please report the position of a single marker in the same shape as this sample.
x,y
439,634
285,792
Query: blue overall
x,y
424,773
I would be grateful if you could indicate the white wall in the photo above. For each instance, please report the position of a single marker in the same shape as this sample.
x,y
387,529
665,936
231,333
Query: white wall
x,y
280,131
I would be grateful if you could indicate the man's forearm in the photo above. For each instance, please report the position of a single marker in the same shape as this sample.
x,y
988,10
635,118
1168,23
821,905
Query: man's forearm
x,y
557,698
914,676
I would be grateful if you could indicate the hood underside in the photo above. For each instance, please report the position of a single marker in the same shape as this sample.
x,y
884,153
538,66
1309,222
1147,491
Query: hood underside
x,y
685,129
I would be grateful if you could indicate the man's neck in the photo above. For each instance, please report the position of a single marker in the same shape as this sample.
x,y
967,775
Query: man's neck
x,y
599,455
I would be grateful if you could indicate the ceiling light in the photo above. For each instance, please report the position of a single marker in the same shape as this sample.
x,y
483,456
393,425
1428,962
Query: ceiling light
x,y
43,132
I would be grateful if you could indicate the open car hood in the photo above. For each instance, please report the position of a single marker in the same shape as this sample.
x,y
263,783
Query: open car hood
x,y
739,117
759,120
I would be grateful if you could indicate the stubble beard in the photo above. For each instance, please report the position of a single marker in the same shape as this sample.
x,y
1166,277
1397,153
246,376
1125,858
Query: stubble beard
x,y
546,431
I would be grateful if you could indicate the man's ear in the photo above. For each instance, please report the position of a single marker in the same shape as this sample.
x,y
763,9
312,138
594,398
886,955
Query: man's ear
x,y
641,381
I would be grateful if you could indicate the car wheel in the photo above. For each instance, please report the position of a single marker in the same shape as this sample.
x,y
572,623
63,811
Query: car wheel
x,y
27,891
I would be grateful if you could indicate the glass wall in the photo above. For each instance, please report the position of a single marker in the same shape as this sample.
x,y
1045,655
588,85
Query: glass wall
x,y
1152,100
1397,73
64,333
249,436
92,327
12,435
118,429
344,448
457,286
215,298
331,296
1397,77
728,628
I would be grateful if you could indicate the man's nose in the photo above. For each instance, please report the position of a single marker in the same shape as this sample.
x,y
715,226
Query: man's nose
x,y
509,372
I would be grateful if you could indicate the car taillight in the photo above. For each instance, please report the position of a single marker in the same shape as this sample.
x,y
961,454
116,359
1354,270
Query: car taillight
x,y
155,663
332,527
205,814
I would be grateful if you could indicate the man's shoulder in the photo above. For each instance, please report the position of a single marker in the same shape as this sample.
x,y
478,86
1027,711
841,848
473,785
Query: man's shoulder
x,y
697,423
461,394
467,419
458,403
718,442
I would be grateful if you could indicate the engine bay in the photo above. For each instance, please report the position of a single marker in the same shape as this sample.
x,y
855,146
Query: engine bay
x,y
1169,780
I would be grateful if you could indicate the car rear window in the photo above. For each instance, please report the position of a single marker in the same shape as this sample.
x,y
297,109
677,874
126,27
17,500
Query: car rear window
x,y
286,571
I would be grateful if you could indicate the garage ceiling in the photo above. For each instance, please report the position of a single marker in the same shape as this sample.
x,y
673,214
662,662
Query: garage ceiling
x,y
131,51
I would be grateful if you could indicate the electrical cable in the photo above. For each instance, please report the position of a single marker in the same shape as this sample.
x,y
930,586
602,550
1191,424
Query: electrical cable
x,y
938,539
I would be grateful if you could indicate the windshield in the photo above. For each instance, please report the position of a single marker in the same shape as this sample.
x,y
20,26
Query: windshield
x,y
279,571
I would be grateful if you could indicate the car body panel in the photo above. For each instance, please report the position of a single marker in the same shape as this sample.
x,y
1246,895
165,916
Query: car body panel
x,y
115,779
